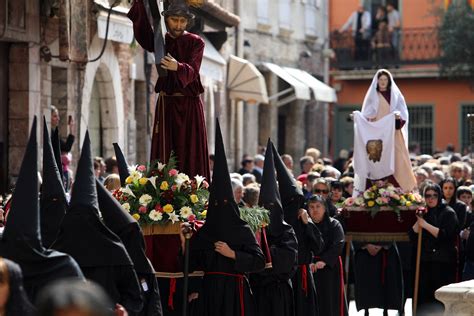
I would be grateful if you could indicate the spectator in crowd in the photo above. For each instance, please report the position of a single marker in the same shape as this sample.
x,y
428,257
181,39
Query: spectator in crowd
x,y
437,176
340,163
248,178
306,164
420,175
238,190
258,167
13,298
99,168
360,22
394,25
251,194
348,183
112,182
247,165
288,161
65,145
313,152
68,175
111,166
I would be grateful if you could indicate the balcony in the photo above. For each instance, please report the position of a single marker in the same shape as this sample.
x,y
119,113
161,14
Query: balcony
x,y
417,46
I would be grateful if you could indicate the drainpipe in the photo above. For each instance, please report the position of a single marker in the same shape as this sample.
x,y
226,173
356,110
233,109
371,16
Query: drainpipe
x,y
326,132
237,107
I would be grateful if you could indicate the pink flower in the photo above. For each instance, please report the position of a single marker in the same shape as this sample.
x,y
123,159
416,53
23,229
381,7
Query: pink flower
x,y
205,184
192,218
349,202
141,168
173,172
174,187
385,200
142,209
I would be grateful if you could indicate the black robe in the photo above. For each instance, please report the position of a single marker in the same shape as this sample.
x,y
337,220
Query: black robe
x,y
329,281
272,288
438,255
17,303
379,279
310,244
225,280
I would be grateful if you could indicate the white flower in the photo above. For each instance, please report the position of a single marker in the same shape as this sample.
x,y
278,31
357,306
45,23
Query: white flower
x,y
359,201
161,166
145,199
155,216
132,168
199,180
153,181
181,178
185,212
173,217
136,175
367,194
126,207
128,191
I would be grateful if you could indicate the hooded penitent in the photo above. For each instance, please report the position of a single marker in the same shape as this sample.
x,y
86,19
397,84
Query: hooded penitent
x,y
82,233
21,240
126,227
122,164
53,202
270,196
223,222
292,197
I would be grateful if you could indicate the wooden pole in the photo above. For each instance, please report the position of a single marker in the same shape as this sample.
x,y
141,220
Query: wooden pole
x,y
346,262
417,271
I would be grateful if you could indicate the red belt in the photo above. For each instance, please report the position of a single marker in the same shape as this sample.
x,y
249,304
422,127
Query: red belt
x,y
240,284
171,293
304,278
341,290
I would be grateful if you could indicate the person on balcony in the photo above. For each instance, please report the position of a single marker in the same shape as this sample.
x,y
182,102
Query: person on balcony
x,y
360,22
381,44
394,24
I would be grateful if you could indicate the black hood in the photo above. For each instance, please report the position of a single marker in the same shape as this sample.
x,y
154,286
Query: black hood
x,y
291,195
223,222
125,227
82,234
53,202
21,240
122,164
270,196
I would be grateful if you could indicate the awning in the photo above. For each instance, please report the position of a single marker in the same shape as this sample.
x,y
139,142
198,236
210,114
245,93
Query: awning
x,y
322,92
301,90
245,82
213,64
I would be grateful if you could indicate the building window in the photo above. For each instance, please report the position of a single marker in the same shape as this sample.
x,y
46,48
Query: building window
x,y
284,14
421,127
466,128
310,18
262,12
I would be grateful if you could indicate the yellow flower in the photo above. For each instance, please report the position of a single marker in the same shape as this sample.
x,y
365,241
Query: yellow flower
x,y
408,203
194,198
128,180
143,181
164,186
168,208
411,197
370,203
204,213
136,216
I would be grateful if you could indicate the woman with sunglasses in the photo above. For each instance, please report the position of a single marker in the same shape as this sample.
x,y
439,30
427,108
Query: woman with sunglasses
x,y
321,187
438,251
327,267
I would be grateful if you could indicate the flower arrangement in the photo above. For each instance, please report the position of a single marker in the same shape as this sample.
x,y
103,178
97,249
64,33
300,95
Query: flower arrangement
x,y
159,194
385,195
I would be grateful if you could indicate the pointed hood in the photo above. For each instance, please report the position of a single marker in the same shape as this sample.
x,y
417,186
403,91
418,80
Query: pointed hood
x,y
23,217
125,227
122,164
292,197
84,192
21,240
53,203
82,234
56,143
223,222
270,196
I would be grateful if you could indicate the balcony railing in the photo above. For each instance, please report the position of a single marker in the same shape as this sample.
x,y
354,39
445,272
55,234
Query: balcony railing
x,y
417,46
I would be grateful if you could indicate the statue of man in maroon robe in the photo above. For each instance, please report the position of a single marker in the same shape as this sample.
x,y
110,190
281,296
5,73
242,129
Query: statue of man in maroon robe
x,y
179,125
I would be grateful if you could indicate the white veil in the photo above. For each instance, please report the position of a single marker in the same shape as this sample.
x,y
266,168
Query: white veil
x,y
370,108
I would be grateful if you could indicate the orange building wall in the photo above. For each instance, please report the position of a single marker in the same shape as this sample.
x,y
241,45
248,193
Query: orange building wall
x,y
446,97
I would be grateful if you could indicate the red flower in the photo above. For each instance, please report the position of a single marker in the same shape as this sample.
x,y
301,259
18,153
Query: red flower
x,y
158,208
141,168
192,218
168,195
142,209
173,172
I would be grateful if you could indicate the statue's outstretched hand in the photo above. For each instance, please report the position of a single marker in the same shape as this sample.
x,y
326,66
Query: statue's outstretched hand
x,y
169,63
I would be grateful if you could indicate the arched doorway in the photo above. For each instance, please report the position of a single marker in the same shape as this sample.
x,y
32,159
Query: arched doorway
x,y
103,128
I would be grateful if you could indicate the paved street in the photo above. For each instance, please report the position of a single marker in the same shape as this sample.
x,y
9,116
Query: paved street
x,y
378,311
